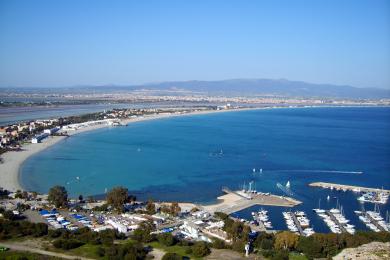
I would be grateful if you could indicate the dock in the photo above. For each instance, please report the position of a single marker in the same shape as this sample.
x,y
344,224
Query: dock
x,y
341,226
327,185
374,222
300,229
234,201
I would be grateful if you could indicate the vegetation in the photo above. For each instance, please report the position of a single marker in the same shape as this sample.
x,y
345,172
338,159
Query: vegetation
x,y
117,197
166,239
143,232
286,241
150,207
173,210
58,196
281,245
15,229
237,231
172,256
200,249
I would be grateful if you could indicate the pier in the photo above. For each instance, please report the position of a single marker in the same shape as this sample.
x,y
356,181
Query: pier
x,y
300,229
234,201
334,219
327,185
374,222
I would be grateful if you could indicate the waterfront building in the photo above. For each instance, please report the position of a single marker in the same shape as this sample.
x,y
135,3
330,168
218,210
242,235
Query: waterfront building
x,y
38,138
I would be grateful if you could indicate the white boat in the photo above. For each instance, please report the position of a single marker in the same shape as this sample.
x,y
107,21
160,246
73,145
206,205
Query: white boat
x,y
288,184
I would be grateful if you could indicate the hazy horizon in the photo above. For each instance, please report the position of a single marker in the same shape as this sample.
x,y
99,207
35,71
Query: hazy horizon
x,y
184,81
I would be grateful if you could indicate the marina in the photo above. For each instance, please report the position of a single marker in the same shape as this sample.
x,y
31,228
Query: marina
x,y
261,218
335,220
373,220
298,223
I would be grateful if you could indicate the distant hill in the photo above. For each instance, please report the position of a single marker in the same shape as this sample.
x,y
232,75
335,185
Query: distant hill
x,y
242,87
280,87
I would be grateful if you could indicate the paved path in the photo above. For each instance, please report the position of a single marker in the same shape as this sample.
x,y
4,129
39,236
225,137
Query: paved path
x,y
19,247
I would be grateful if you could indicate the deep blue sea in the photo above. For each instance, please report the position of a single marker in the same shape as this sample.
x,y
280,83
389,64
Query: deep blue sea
x,y
190,158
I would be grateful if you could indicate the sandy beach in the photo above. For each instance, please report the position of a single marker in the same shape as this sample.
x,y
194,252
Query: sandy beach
x,y
12,161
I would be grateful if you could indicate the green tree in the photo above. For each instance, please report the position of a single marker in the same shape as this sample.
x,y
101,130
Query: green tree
x,y
143,232
151,207
286,240
175,209
58,196
117,197
218,244
310,247
166,239
200,249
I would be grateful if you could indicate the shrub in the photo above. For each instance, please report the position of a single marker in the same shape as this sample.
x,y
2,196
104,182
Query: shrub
x,y
171,256
200,249
100,251
218,244
67,244
166,239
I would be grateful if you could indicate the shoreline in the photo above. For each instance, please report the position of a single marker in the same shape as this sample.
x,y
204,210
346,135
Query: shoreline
x,y
13,160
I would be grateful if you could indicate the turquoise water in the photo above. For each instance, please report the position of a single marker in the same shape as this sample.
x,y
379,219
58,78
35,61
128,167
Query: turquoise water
x,y
190,158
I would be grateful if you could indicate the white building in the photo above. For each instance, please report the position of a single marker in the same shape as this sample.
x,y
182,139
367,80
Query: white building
x,y
118,226
52,130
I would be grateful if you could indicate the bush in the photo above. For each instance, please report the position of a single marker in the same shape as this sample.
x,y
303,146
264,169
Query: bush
x,y
200,249
171,256
239,245
143,232
100,251
218,244
264,241
166,239
41,229
280,255
310,247
67,244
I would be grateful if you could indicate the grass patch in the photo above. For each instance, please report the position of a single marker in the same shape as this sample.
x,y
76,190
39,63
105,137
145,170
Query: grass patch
x,y
87,250
180,250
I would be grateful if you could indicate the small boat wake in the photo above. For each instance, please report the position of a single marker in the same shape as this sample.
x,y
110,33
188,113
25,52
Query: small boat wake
x,y
318,171
216,154
286,189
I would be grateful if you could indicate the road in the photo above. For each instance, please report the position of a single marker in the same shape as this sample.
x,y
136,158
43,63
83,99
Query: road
x,y
19,247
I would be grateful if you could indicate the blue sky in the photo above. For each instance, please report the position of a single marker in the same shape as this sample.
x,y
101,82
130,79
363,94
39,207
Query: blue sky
x,y
66,43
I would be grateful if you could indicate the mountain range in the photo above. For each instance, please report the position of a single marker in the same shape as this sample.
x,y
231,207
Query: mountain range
x,y
231,87
276,87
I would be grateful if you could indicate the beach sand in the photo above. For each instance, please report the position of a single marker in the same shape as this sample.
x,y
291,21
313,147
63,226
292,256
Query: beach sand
x,y
12,160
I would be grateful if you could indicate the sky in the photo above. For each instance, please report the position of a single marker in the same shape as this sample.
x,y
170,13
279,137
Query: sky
x,y
81,42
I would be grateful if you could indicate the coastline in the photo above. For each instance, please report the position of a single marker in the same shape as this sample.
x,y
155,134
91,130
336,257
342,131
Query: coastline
x,y
13,160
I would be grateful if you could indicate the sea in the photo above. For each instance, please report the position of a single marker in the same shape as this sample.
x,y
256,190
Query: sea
x,y
190,158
